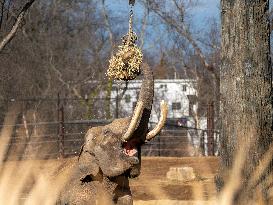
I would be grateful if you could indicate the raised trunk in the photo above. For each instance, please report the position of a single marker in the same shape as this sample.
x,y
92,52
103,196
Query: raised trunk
x,y
138,126
246,85
146,96
138,130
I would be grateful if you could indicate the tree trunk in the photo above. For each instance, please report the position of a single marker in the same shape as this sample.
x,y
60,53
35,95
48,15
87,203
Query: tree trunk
x,y
246,85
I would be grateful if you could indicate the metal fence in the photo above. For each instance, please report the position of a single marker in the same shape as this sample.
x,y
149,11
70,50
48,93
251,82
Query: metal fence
x,y
62,136
64,139
176,141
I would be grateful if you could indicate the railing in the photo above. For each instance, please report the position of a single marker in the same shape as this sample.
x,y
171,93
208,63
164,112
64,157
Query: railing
x,y
64,139
182,141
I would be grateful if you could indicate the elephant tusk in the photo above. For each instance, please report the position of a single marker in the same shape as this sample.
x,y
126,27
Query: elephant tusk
x,y
161,123
134,121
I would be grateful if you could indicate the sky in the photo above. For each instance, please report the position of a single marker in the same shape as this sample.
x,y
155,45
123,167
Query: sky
x,y
200,14
204,10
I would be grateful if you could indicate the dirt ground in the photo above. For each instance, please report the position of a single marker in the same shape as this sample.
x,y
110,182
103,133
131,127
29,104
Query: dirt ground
x,y
152,184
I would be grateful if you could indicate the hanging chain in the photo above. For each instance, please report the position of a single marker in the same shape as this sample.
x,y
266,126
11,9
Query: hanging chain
x,y
125,64
131,21
130,32
132,2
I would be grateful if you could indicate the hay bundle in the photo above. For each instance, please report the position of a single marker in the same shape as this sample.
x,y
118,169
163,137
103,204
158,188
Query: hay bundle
x,y
125,65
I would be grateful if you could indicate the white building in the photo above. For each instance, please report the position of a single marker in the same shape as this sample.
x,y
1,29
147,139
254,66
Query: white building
x,y
180,94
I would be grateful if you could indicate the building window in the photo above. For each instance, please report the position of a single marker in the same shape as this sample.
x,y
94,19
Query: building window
x,y
176,106
127,98
163,86
184,88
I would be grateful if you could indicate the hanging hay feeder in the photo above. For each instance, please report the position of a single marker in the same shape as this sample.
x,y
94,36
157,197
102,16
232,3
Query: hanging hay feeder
x,y
125,65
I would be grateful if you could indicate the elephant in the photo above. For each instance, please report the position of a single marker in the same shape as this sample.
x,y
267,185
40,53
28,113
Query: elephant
x,y
111,154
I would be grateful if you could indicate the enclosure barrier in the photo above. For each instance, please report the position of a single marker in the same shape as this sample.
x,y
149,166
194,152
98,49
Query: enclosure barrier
x,y
64,139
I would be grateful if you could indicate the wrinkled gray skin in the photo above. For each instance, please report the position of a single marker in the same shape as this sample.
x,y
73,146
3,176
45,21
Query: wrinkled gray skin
x,y
101,175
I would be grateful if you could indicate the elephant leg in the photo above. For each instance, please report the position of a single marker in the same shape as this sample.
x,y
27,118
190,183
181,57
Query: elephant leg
x,y
123,197
122,193
125,200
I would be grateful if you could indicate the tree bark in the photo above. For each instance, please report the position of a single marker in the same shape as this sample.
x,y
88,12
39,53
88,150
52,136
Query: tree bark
x,y
246,86
16,25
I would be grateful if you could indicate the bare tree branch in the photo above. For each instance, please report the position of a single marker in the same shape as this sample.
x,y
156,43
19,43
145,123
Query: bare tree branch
x,y
60,78
9,13
183,30
2,12
16,25
108,26
144,25
271,20
9,4
180,9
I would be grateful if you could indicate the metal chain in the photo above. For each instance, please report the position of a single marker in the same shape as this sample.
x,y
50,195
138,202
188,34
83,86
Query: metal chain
x,y
130,27
132,2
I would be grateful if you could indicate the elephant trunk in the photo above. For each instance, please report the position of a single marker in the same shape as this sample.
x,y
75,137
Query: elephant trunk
x,y
140,119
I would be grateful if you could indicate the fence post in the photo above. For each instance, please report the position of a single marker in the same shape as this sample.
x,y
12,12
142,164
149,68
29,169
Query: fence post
x,y
58,121
159,145
25,126
117,103
61,129
61,135
202,143
210,128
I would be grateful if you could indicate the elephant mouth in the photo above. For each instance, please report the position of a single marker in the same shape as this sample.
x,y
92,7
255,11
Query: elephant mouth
x,y
130,148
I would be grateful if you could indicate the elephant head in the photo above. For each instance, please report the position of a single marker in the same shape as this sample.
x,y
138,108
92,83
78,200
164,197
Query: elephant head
x,y
114,149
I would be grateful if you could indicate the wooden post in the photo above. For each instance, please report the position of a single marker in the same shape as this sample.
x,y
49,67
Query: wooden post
x,y
202,143
25,126
58,121
35,133
61,135
159,145
210,128
61,130
117,104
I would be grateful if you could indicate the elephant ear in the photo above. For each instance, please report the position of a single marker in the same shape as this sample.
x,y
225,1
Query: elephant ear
x,y
88,164
111,164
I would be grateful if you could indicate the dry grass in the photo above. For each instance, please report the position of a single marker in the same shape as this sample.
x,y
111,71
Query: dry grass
x,y
173,202
27,182
31,182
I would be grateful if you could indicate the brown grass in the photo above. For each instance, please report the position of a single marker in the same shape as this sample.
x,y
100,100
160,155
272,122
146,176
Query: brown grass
x,y
27,182
32,182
